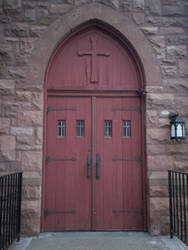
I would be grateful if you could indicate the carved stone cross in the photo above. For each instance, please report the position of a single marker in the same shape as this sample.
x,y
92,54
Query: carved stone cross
x,y
94,53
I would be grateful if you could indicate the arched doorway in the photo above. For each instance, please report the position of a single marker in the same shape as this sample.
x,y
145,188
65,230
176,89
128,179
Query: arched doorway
x,y
95,164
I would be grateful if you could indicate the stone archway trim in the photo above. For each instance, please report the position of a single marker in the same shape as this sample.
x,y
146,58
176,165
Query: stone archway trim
x,y
122,23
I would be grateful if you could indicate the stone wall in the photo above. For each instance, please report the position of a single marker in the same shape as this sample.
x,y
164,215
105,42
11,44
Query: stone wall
x,y
164,23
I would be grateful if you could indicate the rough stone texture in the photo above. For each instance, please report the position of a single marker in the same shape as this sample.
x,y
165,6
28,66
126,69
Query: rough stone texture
x,y
30,31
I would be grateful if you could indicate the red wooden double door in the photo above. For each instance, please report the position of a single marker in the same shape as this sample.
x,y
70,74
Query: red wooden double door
x,y
94,136
94,164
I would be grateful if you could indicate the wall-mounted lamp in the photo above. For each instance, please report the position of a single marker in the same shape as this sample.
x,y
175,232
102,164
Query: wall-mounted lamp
x,y
177,127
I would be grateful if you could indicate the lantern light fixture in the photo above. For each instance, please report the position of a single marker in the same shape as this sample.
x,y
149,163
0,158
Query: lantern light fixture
x,y
177,127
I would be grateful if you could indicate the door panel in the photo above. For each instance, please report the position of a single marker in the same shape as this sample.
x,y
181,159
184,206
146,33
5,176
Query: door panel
x,y
119,199
68,190
113,200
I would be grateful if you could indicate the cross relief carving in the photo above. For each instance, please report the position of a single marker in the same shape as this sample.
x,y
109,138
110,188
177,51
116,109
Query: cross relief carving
x,y
93,52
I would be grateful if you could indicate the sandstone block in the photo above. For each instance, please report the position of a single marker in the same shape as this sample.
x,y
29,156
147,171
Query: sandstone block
x,y
30,226
174,10
155,7
183,66
155,89
18,29
32,178
4,125
160,162
150,30
159,206
21,131
139,4
177,148
31,160
155,147
30,118
158,43
181,165
160,99
178,85
22,140
23,96
158,174
139,18
152,117
159,225
171,30
159,21
31,208
59,8
9,166
37,100
27,44
26,145
115,3
180,39
7,87
12,5
178,50
170,70
31,192
158,191
30,14
39,135
163,122
164,113
7,147
158,135
18,72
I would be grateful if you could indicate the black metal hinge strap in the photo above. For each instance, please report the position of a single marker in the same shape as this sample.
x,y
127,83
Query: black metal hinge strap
x,y
137,109
98,162
60,109
49,159
128,159
135,211
89,165
48,212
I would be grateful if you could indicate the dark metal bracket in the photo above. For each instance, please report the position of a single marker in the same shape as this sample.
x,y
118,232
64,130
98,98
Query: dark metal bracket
x,y
142,92
128,159
60,109
48,212
135,211
49,159
137,109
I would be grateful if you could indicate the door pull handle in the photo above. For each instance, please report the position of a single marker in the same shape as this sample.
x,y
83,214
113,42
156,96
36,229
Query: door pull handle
x,y
98,162
89,165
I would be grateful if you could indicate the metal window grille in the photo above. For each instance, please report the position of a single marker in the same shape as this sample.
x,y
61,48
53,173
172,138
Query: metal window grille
x,y
178,204
126,129
80,128
10,208
107,128
61,128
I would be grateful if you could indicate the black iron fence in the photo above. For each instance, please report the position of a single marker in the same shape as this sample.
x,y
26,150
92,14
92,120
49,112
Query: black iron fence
x,y
10,208
178,201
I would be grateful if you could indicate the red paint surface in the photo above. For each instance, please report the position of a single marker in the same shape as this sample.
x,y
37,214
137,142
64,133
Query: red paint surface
x,y
93,60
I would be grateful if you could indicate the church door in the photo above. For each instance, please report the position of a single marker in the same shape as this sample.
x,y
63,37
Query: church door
x,y
94,164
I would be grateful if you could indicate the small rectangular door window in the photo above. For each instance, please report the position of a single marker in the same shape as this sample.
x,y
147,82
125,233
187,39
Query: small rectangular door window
x,y
126,129
107,128
80,128
61,128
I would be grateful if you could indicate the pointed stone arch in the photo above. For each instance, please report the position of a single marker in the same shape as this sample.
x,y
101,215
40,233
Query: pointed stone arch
x,y
122,24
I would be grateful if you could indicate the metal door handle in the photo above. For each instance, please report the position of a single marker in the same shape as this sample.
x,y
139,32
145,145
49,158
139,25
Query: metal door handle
x,y
98,161
89,165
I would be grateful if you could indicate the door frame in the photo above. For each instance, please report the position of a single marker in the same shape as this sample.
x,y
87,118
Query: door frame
x,y
93,95
105,93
